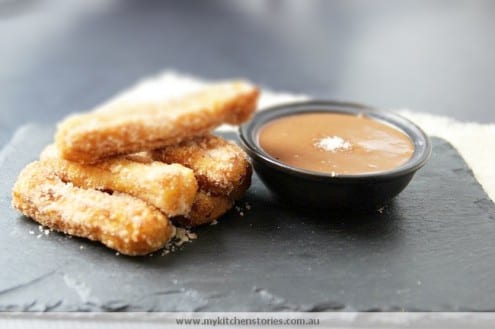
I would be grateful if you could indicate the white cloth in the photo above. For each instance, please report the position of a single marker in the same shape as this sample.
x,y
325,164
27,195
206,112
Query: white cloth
x,y
474,141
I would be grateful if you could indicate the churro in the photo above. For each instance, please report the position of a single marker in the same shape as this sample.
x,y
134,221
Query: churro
x,y
119,221
221,169
220,166
169,187
123,172
126,128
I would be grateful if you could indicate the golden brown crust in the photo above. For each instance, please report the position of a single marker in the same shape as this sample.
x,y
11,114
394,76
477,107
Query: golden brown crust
x,y
222,170
220,166
119,221
206,209
171,188
129,127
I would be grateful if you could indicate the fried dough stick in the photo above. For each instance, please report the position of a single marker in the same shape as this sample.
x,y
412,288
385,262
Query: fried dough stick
x,y
171,188
119,221
222,170
126,128
220,166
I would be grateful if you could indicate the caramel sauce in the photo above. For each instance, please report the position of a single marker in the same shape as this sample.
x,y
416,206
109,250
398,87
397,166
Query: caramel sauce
x,y
335,143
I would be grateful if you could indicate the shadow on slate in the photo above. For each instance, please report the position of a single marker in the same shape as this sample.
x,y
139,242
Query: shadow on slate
x,y
432,249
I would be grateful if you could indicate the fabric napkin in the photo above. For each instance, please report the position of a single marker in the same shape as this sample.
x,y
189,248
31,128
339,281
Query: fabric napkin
x,y
474,141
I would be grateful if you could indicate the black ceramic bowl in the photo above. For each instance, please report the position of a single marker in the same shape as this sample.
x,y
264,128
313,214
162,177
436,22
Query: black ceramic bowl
x,y
314,189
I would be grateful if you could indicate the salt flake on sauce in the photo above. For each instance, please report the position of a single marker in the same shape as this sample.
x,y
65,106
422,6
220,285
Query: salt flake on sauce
x,y
332,144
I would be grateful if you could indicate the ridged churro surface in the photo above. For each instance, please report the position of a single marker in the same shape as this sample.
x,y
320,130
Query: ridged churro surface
x,y
171,188
221,169
125,128
220,166
119,221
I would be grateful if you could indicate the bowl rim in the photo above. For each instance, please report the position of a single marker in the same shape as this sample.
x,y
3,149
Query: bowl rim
x,y
248,137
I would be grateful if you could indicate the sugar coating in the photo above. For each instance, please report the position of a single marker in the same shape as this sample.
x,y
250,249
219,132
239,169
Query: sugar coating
x,y
171,188
128,127
220,166
120,221
93,184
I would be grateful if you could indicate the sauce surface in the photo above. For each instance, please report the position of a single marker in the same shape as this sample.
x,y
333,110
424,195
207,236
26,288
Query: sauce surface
x,y
335,143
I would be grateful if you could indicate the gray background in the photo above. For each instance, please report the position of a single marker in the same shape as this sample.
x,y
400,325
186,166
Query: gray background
x,y
434,253
62,56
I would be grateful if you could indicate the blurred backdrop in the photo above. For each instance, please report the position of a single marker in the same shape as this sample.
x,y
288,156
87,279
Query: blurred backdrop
x,y
61,56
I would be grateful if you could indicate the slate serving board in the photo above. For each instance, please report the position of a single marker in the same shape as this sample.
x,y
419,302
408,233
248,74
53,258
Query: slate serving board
x,y
432,249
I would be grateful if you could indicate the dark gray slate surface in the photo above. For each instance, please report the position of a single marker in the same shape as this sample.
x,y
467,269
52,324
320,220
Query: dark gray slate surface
x,y
432,249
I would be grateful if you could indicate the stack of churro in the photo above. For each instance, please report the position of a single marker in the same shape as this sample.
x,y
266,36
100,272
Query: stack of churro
x,y
126,173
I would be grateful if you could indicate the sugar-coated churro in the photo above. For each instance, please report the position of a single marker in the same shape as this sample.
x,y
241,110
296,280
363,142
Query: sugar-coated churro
x,y
220,166
130,127
169,187
123,172
119,221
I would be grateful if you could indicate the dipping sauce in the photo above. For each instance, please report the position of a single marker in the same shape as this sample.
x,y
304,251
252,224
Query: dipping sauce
x,y
336,144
